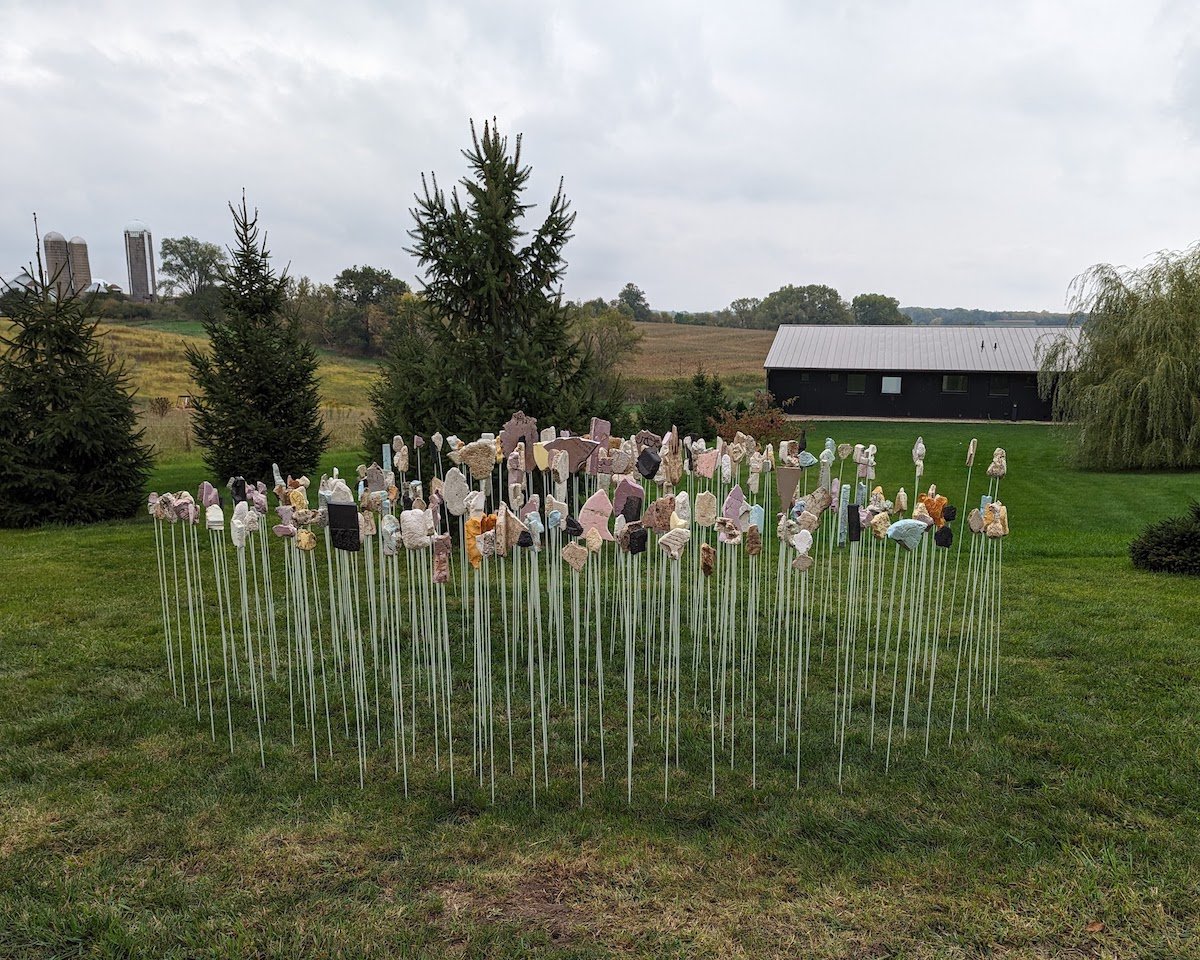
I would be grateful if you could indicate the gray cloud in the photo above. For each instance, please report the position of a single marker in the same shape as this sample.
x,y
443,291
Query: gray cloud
x,y
947,154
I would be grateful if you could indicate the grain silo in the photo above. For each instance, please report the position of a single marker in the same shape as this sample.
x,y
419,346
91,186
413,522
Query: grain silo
x,y
139,256
77,264
58,266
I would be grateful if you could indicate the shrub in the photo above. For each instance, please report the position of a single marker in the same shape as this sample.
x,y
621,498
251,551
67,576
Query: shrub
x,y
1170,546
116,307
762,419
691,405
160,406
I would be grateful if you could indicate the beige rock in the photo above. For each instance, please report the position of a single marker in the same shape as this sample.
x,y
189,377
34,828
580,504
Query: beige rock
x,y
683,507
455,492
575,555
480,458
673,542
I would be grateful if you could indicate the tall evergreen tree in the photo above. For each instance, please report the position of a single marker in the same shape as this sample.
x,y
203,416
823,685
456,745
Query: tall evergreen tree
x,y
70,447
494,335
257,395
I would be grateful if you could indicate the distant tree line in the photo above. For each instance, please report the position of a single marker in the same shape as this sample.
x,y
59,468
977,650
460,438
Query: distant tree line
x,y
353,314
963,317
822,304
813,303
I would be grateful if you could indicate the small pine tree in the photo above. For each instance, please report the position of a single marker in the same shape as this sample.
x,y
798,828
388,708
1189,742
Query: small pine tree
x,y
258,399
70,447
494,333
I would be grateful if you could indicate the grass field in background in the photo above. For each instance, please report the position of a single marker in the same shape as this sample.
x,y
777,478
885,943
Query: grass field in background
x,y
677,351
153,353
1067,827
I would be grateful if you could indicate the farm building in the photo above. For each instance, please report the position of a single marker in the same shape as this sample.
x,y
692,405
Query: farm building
x,y
944,373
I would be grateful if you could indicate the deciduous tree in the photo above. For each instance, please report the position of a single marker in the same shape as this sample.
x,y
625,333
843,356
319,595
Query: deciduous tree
x,y
814,303
876,310
633,299
191,269
1132,385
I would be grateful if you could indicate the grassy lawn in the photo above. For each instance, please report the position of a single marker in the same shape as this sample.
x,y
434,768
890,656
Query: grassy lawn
x,y
1066,827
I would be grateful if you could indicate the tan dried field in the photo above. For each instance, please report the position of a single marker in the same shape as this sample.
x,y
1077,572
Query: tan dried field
x,y
679,350
156,364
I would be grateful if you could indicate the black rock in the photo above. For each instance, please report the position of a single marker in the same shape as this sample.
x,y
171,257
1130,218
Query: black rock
x,y
631,509
853,523
648,462
343,527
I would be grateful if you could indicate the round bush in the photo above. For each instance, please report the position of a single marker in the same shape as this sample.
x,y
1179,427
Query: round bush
x,y
1170,546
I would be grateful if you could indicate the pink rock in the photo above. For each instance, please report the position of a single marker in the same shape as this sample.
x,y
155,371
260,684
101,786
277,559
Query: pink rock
x,y
706,463
578,450
731,510
625,489
601,431
595,513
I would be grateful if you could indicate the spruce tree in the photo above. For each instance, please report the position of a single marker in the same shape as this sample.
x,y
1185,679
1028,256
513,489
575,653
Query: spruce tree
x,y
495,335
257,396
71,450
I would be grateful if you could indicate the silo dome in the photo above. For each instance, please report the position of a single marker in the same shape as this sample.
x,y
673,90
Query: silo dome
x,y
77,240
55,236
136,226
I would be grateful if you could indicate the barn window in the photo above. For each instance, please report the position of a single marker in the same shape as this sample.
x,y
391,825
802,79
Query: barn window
x,y
999,385
856,383
954,383
890,385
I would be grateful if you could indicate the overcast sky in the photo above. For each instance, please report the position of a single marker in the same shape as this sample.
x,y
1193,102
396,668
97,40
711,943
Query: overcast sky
x,y
949,154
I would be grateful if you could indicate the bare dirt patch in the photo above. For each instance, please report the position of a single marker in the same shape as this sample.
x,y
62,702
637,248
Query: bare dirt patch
x,y
550,899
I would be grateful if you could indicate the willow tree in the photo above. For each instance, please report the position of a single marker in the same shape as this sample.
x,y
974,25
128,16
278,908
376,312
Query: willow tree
x,y
1131,384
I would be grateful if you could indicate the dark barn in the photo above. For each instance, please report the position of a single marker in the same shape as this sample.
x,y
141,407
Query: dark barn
x,y
927,373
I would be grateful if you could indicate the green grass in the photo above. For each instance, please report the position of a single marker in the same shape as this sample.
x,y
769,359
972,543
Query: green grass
x,y
125,831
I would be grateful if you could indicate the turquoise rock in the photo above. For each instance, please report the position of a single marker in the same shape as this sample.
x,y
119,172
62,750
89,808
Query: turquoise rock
x,y
907,533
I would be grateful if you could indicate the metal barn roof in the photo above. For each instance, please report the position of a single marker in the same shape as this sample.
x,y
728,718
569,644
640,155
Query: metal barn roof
x,y
957,349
